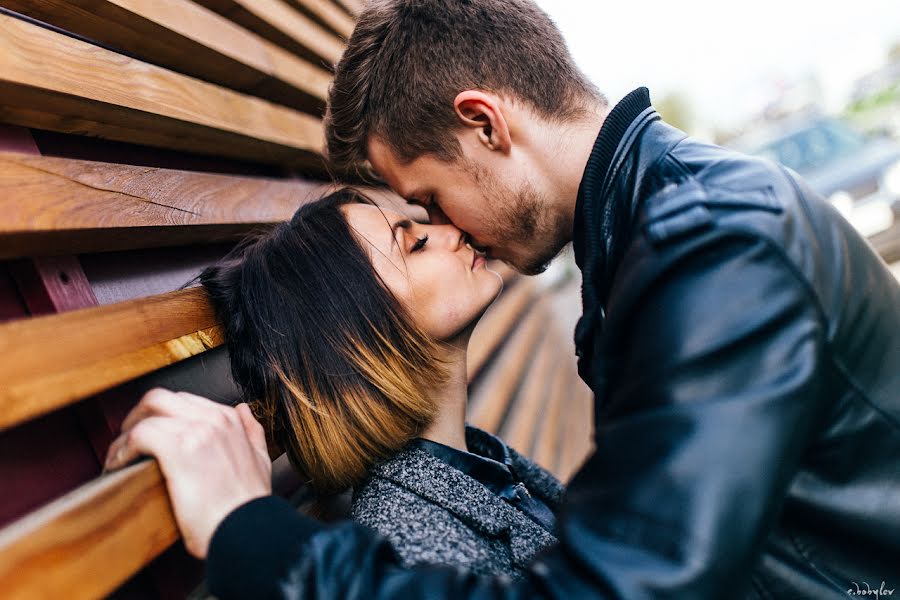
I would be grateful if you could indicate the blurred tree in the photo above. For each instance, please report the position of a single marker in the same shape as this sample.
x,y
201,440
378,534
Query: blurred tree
x,y
894,53
675,110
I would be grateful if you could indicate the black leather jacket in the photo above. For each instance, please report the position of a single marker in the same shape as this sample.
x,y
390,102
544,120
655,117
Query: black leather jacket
x,y
743,343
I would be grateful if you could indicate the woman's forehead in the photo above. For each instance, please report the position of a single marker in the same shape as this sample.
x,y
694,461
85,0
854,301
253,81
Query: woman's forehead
x,y
375,225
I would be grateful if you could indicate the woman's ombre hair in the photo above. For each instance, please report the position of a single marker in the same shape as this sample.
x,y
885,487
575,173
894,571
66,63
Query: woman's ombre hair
x,y
328,358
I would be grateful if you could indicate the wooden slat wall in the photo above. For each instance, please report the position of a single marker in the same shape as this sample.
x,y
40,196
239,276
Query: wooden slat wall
x,y
328,14
63,358
107,530
276,21
51,81
54,205
185,37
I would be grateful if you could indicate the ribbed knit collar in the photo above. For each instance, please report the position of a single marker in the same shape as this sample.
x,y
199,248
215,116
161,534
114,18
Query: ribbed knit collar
x,y
614,127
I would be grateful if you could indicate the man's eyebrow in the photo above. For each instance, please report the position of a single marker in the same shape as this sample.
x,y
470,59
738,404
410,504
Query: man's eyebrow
x,y
401,224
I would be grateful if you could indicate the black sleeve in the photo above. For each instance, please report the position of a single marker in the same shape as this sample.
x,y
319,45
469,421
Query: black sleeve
x,y
712,402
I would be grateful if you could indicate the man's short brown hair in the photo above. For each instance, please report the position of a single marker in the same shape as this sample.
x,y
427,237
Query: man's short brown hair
x,y
408,59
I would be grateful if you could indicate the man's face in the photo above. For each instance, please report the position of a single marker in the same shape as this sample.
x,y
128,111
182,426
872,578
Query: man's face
x,y
498,205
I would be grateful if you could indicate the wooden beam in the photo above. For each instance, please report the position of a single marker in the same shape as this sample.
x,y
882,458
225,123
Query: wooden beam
x,y
351,7
51,81
887,243
328,14
85,544
276,21
530,403
60,205
496,324
53,361
185,37
547,444
492,395
577,431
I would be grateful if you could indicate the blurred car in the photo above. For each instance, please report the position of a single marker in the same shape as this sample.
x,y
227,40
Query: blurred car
x,y
860,175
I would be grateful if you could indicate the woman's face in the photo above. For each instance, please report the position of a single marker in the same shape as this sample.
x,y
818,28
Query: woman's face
x,y
440,280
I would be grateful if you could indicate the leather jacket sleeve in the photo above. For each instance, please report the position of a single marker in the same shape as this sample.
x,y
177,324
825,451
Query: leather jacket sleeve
x,y
712,398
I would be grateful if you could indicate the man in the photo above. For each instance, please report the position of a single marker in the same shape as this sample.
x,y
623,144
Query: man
x,y
741,339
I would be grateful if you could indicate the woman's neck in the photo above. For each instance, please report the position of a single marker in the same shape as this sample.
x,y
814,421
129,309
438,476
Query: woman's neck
x,y
449,424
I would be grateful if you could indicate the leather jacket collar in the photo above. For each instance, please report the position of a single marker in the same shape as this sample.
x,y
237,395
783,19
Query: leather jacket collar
x,y
606,209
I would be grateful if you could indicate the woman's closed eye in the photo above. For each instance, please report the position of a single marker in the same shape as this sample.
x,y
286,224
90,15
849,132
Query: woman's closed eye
x,y
420,243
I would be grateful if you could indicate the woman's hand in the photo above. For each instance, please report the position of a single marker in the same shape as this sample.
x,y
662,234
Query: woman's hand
x,y
213,457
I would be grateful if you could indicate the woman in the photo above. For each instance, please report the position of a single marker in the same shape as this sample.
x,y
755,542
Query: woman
x,y
347,329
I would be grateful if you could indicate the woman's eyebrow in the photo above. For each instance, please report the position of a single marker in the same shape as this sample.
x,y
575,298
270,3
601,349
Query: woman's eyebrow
x,y
401,224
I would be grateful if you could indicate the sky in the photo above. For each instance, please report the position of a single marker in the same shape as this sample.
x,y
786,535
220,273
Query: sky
x,y
726,58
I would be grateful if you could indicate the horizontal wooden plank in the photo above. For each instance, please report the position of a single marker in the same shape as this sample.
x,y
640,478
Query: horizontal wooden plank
x,y
497,323
576,431
530,403
887,243
59,359
88,542
547,446
327,13
491,397
58,205
276,21
185,37
81,88
352,7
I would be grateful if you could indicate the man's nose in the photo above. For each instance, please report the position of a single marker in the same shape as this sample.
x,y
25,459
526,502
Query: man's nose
x,y
448,236
436,215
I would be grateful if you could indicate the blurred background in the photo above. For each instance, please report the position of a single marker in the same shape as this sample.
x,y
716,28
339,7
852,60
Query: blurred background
x,y
813,85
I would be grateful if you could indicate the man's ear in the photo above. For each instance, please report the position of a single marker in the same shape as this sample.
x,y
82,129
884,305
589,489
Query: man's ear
x,y
482,112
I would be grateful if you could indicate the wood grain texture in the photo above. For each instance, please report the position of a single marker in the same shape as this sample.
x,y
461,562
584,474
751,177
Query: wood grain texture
x,y
351,7
497,323
279,23
577,432
490,399
328,14
86,543
528,408
58,205
887,243
546,448
185,37
56,360
51,81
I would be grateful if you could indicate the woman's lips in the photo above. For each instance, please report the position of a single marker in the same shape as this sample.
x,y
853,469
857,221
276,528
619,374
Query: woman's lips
x,y
479,260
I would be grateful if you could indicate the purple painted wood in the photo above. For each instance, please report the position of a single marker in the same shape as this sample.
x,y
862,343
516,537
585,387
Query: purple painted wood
x,y
45,458
12,306
53,284
17,139
41,460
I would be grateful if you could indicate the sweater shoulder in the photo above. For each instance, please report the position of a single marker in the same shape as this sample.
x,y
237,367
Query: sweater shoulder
x,y
423,533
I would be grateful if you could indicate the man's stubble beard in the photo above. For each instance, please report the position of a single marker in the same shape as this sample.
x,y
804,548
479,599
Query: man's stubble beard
x,y
522,217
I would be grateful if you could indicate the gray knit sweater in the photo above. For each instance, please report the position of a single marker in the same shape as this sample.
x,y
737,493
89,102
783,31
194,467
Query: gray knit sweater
x,y
433,513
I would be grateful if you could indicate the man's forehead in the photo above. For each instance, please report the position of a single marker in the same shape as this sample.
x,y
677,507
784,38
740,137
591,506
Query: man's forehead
x,y
402,178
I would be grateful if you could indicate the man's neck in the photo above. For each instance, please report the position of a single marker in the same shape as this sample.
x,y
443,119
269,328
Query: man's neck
x,y
449,424
569,148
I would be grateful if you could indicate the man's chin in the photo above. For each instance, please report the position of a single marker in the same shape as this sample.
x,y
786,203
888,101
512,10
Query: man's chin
x,y
527,267
532,265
